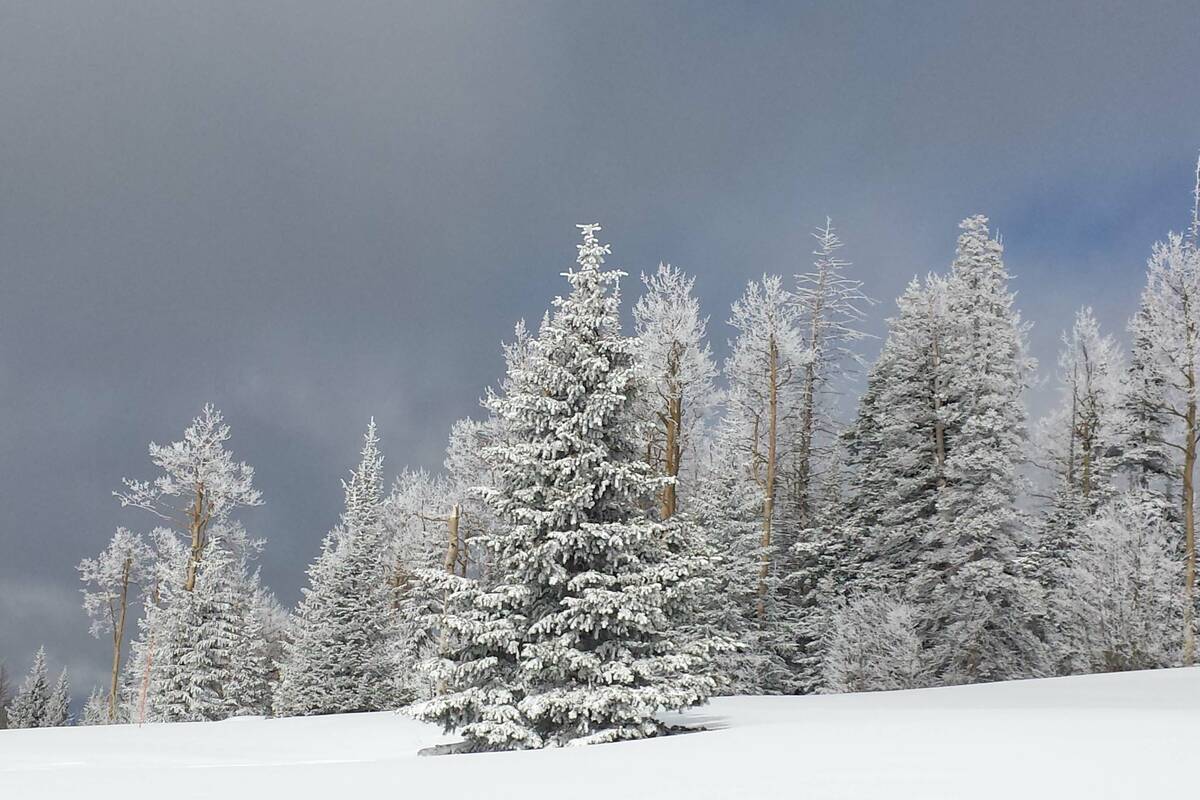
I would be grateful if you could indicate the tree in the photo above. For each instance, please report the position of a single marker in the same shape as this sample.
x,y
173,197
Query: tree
x,y
873,645
202,653
829,310
763,368
678,371
982,612
1079,440
121,566
896,449
95,710
338,661
199,487
1121,596
30,705
58,706
572,637
728,509
6,690
1166,335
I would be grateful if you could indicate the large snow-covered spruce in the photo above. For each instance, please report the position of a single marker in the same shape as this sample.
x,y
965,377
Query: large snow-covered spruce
x,y
576,634
982,613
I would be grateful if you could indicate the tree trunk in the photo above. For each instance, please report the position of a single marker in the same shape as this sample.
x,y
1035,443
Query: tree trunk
x,y
1189,527
452,546
769,485
805,448
197,522
118,637
674,454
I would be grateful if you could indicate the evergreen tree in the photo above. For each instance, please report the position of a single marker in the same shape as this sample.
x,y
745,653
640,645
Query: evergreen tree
x,y
30,706
95,710
573,636
339,659
200,653
982,614
58,706
1166,334
897,446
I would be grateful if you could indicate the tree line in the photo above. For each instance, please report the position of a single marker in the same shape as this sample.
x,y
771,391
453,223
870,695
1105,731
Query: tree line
x,y
631,527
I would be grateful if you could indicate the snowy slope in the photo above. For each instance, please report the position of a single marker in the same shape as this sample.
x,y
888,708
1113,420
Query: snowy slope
x,y
1130,735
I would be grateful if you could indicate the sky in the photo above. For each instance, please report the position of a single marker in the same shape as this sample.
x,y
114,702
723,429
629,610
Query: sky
x,y
314,213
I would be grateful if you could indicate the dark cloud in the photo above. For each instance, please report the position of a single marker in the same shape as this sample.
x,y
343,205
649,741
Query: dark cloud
x,y
309,213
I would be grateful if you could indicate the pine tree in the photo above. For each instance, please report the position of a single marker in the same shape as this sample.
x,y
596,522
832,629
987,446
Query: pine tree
x,y
897,446
58,706
30,706
573,637
982,613
339,659
200,653
95,710
728,509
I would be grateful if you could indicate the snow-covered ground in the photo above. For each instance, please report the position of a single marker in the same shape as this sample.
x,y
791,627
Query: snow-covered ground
x,y
1134,735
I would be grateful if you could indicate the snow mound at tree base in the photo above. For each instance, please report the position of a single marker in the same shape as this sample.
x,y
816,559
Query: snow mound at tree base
x,y
1100,736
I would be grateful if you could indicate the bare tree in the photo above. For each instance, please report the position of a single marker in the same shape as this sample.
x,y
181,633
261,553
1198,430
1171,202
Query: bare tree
x,y
677,368
122,565
766,359
829,308
200,485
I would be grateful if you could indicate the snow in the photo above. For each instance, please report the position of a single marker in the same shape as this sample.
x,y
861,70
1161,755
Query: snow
x,y
1123,735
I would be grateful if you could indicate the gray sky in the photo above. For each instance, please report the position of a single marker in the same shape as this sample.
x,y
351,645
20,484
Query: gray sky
x,y
309,213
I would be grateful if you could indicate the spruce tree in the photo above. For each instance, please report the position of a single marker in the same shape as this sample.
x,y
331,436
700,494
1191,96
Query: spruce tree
x,y
982,613
95,710
897,446
58,706
30,705
339,659
574,636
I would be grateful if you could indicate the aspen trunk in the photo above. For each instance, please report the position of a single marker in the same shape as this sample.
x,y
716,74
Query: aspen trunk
x,y
197,522
1189,526
1074,428
769,485
673,455
452,546
118,637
